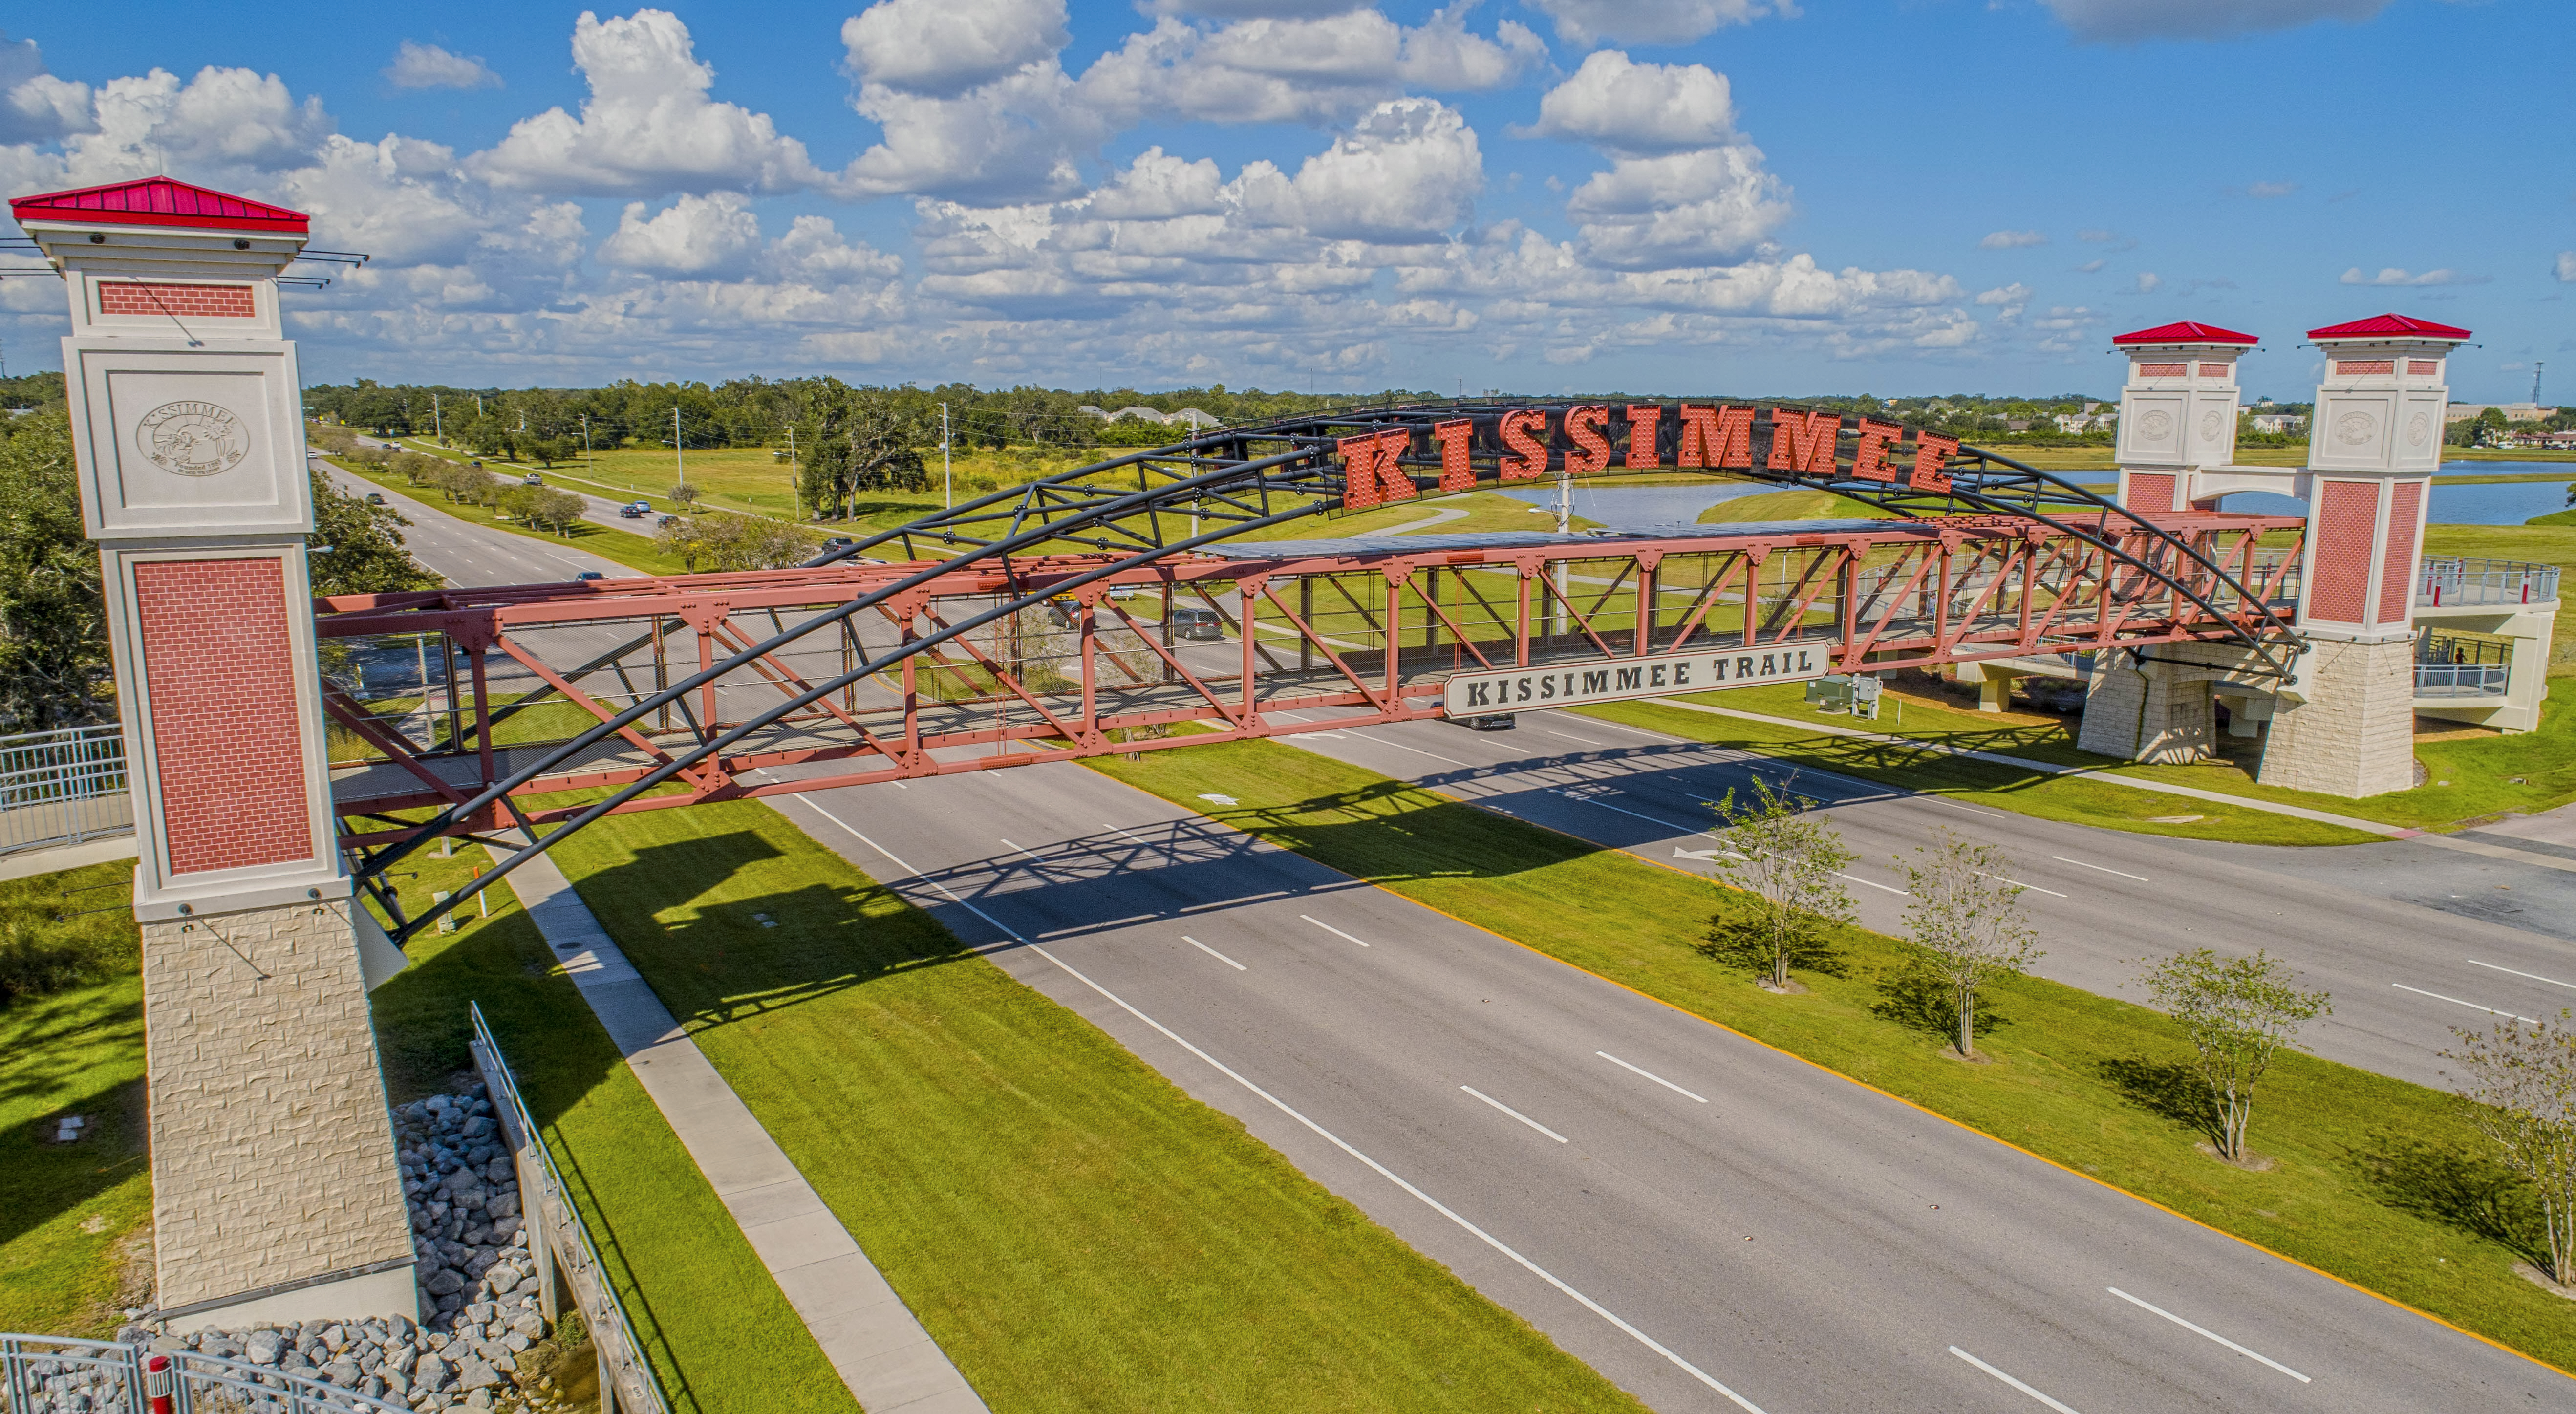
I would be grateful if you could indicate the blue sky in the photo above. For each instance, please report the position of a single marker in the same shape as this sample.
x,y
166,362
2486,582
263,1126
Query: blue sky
x,y
1744,196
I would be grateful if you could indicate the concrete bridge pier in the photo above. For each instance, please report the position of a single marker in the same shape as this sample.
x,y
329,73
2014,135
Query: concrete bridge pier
x,y
275,1191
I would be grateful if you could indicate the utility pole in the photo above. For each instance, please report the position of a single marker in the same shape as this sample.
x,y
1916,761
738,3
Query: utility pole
x,y
437,423
679,456
947,475
585,446
795,483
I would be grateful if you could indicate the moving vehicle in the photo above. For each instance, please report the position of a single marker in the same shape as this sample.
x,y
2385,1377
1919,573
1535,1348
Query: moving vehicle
x,y
1489,722
1197,623
636,510
587,575
375,498
666,522
532,479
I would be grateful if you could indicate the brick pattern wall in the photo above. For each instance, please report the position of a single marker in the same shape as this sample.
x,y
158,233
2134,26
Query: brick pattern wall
x,y
272,1152
2397,563
2151,492
2344,517
2364,367
200,301
2163,370
219,669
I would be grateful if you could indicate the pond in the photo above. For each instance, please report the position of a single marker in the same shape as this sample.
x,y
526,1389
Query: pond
x,y
1645,508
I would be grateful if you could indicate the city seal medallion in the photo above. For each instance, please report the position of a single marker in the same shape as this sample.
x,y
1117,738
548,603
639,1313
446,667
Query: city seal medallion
x,y
192,438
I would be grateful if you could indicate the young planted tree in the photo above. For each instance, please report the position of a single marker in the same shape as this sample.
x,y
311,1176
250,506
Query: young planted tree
x,y
684,493
1788,860
1966,922
2523,1080
2238,1013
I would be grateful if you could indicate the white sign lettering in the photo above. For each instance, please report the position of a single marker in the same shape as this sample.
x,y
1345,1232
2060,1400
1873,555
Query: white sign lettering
x,y
1514,690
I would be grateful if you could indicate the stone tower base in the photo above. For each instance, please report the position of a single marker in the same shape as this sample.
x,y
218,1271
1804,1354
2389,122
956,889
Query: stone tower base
x,y
2158,710
2355,734
275,1191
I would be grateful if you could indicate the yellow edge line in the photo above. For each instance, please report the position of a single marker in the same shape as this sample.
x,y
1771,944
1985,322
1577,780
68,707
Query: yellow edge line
x,y
1855,1080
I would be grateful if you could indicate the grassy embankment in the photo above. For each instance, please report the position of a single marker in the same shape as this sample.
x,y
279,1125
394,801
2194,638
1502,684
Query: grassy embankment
x,y
1076,1231
2379,1182
636,552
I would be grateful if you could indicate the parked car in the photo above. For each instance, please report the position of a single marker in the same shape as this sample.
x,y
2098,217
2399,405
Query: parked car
x,y
1197,623
375,498
532,479
588,575
636,510
1489,722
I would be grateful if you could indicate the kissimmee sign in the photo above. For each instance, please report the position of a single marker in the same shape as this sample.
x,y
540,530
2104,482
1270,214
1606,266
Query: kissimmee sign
x,y
1524,444
1514,690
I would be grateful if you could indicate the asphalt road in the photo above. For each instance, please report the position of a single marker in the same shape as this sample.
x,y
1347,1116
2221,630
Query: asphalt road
x,y
1711,1223
465,554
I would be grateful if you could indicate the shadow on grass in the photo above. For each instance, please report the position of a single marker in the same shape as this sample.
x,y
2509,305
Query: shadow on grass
x,y
2167,1089
2473,1194
1919,1001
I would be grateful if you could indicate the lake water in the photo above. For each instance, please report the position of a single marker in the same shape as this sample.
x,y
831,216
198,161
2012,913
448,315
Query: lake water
x,y
1643,508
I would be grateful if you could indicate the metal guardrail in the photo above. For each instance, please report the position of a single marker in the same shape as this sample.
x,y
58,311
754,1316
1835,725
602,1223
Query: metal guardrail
x,y
2463,581
561,1242
52,1374
63,787
2462,679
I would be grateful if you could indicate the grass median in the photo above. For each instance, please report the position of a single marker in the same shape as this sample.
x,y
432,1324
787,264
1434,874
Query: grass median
x,y
635,552
2382,1183
1075,1230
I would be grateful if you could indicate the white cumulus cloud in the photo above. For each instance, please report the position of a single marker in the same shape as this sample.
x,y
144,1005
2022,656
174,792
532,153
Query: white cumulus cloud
x,y
1300,70
648,125
942,48
1637,109
2391,275
1589,22
35,106
2567,267
2148,280
1691,208
418,65
695,235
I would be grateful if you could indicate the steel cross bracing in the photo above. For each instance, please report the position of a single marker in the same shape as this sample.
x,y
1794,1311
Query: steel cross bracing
x,y
559,687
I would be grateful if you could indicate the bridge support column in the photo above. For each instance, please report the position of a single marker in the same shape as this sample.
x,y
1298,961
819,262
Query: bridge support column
x,y
2354,735
275,1191
2155,710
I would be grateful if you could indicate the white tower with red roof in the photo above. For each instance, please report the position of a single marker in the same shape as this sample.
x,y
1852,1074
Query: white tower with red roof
x,y
275,1190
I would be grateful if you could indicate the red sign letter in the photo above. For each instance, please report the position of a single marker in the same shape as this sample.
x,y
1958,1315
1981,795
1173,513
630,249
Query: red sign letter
x,y
1642,417
1455,473
1870,462
1804,441
1931,459
1528,461
1370,476
1591,450
1716,437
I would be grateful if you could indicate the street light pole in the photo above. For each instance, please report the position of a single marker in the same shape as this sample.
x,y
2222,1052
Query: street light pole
x,y
679,455
437,424
947,475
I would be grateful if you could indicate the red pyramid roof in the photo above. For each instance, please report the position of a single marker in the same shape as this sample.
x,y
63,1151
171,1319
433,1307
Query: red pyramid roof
x,y
2389,326
2187,332
159,201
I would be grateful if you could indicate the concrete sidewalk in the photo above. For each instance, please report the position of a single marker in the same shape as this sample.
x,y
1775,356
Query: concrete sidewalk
x,y
889,1362
2111,776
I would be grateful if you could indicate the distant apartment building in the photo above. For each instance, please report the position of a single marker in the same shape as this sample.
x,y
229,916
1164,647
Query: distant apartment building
x,y
2513,412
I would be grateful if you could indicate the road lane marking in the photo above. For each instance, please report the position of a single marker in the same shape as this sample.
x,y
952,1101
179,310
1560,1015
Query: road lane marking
x,y
2016,1384
1140,844
1649,819
2534,976
1890,888
1022,849
1328,1136
1632,731
2213,1335
2123,873
1418,751
1525,1119
1569,736
1650,1075
1221,957
2455,1001
1930,799
1329,928
2018,884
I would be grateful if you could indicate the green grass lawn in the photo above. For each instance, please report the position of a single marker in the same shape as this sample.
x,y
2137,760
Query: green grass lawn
x,y
1790,505
72,1216
2379,1182
2069,798
1075,1230
718,1330
636,552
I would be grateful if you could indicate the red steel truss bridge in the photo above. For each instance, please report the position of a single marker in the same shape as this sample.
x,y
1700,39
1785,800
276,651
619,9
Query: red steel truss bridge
x,y
1097,609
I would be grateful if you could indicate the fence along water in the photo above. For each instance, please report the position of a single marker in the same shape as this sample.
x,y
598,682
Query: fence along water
x,y
568,1263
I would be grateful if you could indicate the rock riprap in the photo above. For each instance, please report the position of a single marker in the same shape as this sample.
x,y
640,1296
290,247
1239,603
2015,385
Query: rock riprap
x,y
477,1277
